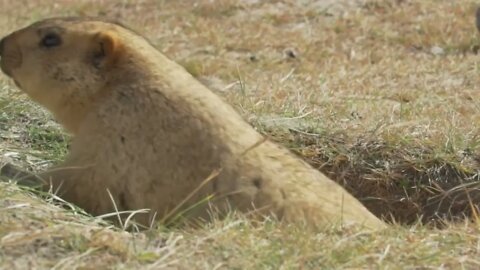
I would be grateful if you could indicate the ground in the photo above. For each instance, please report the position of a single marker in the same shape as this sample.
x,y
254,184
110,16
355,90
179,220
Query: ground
x,y
382,96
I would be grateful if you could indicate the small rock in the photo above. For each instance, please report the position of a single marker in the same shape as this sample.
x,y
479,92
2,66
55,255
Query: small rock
x,y
290,53
435,50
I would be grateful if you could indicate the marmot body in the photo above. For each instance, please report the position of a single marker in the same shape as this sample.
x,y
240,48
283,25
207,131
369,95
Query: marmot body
x,y
148,132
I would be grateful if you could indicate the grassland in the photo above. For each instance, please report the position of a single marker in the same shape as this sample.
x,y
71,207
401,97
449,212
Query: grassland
x,y
380,95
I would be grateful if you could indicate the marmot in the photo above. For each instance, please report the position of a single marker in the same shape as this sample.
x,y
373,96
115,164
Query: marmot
x,y
147,134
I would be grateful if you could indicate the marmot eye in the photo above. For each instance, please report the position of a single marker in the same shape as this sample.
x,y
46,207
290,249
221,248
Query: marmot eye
x,y
50,40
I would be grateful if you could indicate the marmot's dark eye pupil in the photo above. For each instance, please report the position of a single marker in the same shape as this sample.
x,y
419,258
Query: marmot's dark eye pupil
x,y
51,40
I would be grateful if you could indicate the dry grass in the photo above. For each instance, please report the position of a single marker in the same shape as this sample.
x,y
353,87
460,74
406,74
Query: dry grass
x,y
380,95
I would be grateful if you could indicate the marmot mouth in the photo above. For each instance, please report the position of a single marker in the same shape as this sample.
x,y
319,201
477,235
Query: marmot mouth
x,y
10,61
4,68
7,72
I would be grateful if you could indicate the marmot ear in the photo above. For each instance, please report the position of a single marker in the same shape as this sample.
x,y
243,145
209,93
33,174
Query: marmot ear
x,y
106,49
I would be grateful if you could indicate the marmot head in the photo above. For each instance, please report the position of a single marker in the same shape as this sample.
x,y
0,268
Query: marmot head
x,y
62,62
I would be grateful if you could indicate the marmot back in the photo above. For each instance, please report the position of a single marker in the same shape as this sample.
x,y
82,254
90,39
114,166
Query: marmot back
x,y
151,135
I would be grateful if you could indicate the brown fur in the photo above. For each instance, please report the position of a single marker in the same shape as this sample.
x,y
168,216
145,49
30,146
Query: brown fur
x,y
150,133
